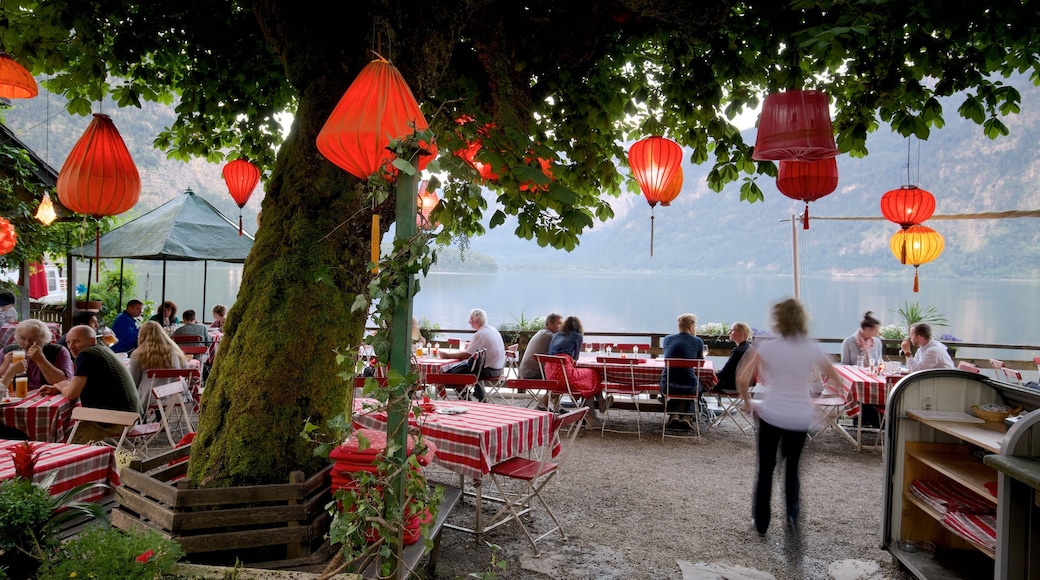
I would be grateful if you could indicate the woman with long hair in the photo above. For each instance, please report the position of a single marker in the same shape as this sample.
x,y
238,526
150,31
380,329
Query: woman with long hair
x,y
155,350
784,411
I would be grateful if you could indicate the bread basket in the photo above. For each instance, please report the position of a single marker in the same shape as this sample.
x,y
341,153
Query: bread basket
x,y
994,416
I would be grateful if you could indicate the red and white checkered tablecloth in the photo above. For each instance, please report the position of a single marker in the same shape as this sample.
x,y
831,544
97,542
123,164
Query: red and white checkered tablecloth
x,y
859,385
647,372
470,443
76,464
41,418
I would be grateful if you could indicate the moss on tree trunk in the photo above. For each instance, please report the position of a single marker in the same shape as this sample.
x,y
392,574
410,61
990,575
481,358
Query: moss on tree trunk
x,y
276,366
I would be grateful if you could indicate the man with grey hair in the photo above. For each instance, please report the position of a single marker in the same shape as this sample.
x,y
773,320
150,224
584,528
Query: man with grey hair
x,y
101,381
539,344
486,338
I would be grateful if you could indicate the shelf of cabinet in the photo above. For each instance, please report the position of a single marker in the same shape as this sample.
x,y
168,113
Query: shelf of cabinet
x,y
939,518
961,468
985,435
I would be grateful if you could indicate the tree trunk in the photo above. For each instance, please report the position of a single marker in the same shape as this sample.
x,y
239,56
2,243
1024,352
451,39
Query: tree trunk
x,y
276,366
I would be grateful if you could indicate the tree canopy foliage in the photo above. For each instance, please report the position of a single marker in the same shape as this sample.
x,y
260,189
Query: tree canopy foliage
x,y
565,81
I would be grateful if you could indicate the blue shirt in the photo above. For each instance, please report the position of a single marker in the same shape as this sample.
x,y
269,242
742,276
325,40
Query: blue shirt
x,y
125,329
566,343
682,345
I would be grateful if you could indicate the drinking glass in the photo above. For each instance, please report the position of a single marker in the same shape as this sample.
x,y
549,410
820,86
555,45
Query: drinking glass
x,y
609,350
705,352
588,348
860,361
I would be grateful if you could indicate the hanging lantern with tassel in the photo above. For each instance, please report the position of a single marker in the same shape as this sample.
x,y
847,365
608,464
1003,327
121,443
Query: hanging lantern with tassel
x,y
916,245
907,206
99,177
377,107
795,125
15,81
655,163
45,213
7,236
425,203
807,181
241,178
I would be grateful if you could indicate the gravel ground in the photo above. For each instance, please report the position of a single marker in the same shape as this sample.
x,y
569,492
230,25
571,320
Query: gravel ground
x,y
681,509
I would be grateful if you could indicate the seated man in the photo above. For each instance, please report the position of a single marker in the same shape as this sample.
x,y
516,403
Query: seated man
x,y
192,327
100,381
125,326
539,344
682,381
488,338
80,318
931,354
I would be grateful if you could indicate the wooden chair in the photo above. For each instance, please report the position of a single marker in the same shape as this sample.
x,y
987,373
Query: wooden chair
x,y
535,474
135,434
190,378
670,364
169,403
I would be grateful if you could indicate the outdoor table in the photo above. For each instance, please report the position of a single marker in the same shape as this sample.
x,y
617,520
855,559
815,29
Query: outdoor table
x,y
861,386
646,372
7,333
472,442
41,418
75,464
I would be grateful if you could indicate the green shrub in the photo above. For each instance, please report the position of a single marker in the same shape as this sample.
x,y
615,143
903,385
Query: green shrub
x,y
25,512
114,553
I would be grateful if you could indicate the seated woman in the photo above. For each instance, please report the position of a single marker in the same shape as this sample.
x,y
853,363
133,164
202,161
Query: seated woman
x,y
584,383
155,350
682,381
219,312
740,334
864,343
45,363
167,316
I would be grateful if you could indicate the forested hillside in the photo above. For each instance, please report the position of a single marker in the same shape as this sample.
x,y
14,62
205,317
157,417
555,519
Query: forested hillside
x,y
702,231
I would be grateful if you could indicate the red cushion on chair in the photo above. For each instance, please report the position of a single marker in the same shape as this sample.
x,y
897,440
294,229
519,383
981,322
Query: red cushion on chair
x,y
523,468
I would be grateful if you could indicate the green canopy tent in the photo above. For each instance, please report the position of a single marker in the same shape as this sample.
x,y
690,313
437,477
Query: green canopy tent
x,y
186,228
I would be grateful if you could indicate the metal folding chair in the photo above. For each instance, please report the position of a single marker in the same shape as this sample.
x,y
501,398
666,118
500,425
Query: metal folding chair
x,y
535,474
554,368
670,364
619,390
135,435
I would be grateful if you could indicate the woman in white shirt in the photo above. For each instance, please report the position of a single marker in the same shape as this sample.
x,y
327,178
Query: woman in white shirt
x,y
785,411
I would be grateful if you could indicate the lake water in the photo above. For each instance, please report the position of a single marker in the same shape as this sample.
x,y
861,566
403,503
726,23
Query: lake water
x,y
982,311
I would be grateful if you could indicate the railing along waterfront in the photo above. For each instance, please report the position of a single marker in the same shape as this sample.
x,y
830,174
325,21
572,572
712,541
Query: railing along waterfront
x,y
1015,356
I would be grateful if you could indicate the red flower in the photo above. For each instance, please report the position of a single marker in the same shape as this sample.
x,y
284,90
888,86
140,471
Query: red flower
x,y
143,558
24,460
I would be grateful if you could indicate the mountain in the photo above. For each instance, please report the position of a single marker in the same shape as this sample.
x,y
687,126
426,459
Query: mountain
x,y
703,231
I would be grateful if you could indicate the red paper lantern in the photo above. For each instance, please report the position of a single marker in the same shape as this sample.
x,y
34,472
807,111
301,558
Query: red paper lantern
x,y
674,188
241,178
472,148
425,203
807,181
916,245
99,177
15,81
907,206
377,107
795,125
655,162
7,236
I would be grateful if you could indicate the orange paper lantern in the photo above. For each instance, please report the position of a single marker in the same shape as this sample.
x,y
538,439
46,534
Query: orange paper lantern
x,y
377,107
241,178
807,181
425,203
907,206
99,177
916,245
15,81
795,125
7,236
655,163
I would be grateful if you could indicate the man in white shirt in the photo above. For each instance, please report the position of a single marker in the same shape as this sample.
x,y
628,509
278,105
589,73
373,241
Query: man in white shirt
x,y
488,339
931,354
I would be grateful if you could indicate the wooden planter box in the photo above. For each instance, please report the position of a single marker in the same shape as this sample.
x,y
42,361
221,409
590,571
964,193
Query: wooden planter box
x,y
282,524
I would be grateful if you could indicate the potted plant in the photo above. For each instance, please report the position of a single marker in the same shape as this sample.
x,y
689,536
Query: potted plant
x,y
81,300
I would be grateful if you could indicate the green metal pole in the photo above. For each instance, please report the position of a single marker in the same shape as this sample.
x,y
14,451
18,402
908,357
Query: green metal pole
x,y
401,362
